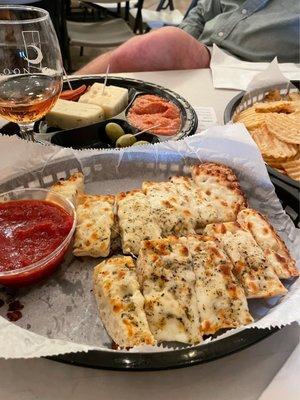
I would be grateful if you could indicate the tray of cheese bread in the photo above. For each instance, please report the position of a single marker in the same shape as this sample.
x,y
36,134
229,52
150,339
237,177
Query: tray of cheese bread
x,y
272,117
168,263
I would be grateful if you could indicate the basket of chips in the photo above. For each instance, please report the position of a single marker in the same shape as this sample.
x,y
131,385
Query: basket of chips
x,y
272,117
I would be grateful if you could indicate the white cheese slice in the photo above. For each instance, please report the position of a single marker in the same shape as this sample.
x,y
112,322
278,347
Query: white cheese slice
x,y
113,101
68,114
167,280
136,221
120,302
221,300
255,274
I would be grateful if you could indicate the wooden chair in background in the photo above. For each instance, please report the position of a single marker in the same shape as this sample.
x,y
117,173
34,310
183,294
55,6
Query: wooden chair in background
x,y
107,33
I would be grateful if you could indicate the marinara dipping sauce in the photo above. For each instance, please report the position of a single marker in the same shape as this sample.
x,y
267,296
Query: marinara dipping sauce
x,y
32,236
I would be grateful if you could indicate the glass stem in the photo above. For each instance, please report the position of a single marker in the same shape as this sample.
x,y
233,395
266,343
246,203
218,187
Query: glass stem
x,y
26,131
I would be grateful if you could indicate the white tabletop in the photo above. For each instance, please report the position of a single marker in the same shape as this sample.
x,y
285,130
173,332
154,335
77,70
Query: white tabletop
x,y
244,375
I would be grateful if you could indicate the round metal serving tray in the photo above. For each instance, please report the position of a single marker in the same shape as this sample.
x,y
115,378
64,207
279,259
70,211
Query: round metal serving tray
x,y
189,356
228,114
93,136
144,168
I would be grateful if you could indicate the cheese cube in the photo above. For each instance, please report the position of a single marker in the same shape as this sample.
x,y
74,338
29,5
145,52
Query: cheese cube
x,y
113,101
68,114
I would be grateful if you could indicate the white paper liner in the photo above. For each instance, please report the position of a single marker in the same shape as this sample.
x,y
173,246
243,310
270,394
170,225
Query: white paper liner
x,y
63,311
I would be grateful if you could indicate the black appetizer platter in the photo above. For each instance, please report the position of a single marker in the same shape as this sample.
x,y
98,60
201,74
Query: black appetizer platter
x,y
93,136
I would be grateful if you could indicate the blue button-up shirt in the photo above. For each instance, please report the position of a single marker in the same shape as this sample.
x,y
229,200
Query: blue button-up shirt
x,y
253,30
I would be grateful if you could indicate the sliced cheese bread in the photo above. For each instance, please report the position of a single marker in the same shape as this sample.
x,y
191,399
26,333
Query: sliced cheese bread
x,y
272,245
202,209
120,302
95,221
251,268
136,221
167,279
69,188
221,300
170,210
222,189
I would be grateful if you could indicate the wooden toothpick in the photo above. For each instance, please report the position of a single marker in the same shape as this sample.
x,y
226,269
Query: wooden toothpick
x,y
105,80
67,79
147,130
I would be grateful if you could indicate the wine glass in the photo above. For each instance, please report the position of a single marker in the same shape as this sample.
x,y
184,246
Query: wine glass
x,y
31,68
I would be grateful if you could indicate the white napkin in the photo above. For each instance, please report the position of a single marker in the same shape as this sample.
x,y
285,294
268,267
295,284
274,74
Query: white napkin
x,y
229,72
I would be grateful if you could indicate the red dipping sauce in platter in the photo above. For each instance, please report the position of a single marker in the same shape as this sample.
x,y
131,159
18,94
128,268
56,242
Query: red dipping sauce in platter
x,y
150,110
36,229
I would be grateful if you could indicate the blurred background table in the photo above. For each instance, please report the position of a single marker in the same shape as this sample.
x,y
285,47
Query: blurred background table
x,y
243,375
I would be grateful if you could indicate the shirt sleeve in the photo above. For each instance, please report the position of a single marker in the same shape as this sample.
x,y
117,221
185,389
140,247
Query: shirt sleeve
x,y
195,21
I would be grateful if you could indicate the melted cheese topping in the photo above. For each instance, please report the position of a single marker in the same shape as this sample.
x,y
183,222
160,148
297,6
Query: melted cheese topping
x,y
202,209
221,186
275,250
69,188
165,271
250,266
120,302
171,211
136,221
95,221
221,301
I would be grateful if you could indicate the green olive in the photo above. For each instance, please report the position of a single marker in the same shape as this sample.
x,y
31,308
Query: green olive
x,y
140,143
126,140
114,131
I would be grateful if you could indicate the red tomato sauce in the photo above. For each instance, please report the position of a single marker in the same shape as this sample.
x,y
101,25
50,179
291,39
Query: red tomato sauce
x,y
151,110
29,231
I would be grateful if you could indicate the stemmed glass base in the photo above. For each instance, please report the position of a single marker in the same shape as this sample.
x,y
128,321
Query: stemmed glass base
x,y
26,132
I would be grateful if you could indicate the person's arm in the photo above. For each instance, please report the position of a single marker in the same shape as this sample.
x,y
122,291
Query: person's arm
x,y
204,11
167,48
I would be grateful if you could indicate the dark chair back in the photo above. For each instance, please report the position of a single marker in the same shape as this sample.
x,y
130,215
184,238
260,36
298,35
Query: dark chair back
x,y
191,6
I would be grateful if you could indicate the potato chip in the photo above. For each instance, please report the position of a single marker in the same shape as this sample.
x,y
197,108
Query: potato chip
x,y
276,164
292,168
284,127
250,118
294,96
296,114
281,106
296,105
282,171
273,95
271,147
